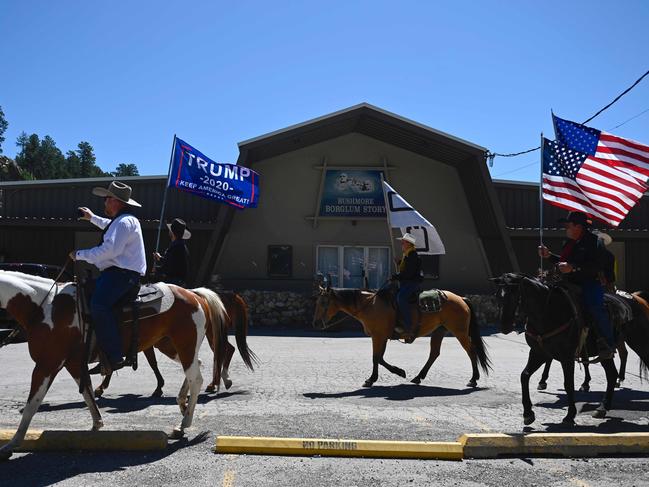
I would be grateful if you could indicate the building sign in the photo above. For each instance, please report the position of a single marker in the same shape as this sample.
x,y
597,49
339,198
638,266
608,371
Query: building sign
x,y
354,194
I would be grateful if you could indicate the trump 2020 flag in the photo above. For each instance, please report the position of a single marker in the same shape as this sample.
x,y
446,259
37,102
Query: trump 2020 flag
x,y
195,173
404,217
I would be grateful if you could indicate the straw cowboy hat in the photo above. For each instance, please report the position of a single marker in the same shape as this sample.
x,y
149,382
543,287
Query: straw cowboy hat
x,y
178,227
408,237
605,237
117,190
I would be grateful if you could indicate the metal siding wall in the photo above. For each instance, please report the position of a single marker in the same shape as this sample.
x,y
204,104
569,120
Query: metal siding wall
x,y
637,267
42,246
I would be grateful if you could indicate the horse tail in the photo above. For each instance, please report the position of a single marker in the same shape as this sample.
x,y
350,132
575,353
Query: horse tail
x,y
477,343
241,332
218,320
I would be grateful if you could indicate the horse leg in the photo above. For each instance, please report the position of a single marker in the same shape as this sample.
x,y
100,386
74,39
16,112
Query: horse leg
x,y
149,353
75,371
534,361
465,341
99,391
624,354
543,383
568,367
214,385
378,349
585,387
42,378
435,345
611,376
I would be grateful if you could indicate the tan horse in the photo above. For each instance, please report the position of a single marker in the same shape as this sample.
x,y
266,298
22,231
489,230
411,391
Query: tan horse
x,y
236,319
378,316
48,313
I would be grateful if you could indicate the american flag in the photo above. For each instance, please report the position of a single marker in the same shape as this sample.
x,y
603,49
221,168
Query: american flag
x,y
579,181
626,155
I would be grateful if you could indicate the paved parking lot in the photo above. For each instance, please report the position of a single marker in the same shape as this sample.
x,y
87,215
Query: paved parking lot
x,y
310,386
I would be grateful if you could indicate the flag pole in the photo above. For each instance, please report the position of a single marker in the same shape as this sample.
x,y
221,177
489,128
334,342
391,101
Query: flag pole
x,y
387,215
164,199
541,206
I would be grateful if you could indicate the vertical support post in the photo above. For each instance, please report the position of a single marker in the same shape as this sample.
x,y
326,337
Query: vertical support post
x,y
541,207
164,199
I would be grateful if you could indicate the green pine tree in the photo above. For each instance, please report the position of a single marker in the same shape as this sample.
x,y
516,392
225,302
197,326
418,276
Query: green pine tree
x,y
3,128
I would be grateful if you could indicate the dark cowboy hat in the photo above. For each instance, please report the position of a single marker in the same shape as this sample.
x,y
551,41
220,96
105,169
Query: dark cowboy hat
x,y
117,190
576,217
178,228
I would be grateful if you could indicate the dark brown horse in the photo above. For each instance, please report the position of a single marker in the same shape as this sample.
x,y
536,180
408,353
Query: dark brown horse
x,y
378,316
48,313
236,319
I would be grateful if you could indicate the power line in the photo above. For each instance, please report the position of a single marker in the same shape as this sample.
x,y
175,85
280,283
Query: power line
x,y
492,155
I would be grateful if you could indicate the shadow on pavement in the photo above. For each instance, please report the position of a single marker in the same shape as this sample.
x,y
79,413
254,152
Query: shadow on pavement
x,y
623,400
403,392
44,469
126,403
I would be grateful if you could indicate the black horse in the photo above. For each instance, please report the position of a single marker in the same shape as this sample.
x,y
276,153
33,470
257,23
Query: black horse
x,y
553,332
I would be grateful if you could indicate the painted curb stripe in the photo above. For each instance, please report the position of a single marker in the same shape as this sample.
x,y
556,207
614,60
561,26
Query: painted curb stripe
x,y
494,445
339,447
38,440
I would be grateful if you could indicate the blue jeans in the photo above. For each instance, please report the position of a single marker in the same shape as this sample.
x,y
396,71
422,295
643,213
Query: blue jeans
x,y
110,287
594,302
406,290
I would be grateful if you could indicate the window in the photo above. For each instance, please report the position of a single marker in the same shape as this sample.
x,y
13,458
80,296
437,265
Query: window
x,y
348,266
280,261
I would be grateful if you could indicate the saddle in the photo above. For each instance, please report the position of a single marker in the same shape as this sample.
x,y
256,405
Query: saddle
x,y
424,302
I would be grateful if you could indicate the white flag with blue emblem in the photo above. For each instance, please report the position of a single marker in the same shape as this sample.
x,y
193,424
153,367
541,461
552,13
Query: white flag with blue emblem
x,y
403,216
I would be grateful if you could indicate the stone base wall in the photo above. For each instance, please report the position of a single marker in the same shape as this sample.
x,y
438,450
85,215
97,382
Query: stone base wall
x,y
295,310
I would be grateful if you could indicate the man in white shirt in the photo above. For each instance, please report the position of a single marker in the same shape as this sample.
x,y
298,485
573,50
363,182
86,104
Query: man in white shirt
x,y
121,261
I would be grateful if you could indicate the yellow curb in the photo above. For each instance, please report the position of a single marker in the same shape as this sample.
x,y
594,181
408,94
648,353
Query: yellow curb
x,y
339,447
38,440
493,445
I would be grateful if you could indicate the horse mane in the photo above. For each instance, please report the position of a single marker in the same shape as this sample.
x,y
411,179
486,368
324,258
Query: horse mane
x,y
346,297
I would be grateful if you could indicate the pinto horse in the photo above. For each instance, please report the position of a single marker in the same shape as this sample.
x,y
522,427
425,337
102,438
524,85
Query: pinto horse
x,y
236,318
378,316
552,332
48,313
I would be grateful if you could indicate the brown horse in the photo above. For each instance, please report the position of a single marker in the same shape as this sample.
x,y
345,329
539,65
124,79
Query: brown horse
x,y
236,318
48,313
378,316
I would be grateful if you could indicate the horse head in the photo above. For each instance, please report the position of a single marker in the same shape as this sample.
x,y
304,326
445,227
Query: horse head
x,y
323,310
508,293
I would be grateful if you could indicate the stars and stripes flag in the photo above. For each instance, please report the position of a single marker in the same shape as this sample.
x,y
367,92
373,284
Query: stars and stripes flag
x,y
606,149
585,182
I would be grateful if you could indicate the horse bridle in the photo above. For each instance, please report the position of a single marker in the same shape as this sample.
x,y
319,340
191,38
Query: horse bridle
x,y
327,325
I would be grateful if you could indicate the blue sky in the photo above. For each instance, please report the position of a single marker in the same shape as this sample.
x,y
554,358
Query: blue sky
x,y
126,76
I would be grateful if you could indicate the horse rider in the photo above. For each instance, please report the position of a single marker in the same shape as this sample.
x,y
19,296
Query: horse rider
x,y
174,264
409,278
121,261
579,263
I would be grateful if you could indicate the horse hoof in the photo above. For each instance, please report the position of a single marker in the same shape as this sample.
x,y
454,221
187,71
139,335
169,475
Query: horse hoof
x,y
568,421
542,386
367,383
97,426
416,380
228,384
584,388
209,389
619,383
157,393
99,392
401,373
599,413
472,383
529,419
176,434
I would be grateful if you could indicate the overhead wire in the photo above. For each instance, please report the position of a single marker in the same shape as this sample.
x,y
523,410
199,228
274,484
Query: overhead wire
x,y
492,155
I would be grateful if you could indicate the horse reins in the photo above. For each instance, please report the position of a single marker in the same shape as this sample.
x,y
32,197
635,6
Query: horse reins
x,y
328,325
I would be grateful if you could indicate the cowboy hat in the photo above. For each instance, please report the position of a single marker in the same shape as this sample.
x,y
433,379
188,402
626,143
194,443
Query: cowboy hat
x,y
178,227
605,237
117,190
408,237
577,218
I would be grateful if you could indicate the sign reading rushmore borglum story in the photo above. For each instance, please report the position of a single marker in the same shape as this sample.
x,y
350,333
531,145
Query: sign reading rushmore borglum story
x,y
355,194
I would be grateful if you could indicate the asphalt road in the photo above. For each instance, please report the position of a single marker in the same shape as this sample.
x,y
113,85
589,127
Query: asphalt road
x,y
310,386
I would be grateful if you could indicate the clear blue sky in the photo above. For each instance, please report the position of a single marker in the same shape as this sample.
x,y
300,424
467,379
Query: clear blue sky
x,y
126,76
